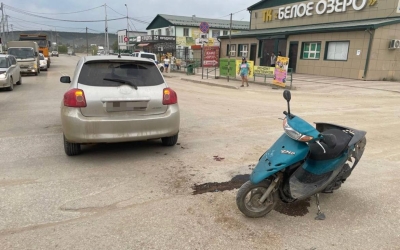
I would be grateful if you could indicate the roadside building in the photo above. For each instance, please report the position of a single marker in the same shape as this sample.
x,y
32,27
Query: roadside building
x,y
358,39
181,34
134,39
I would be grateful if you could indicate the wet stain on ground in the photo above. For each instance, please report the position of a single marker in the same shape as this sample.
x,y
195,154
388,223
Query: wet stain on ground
x,y
236,182
298,208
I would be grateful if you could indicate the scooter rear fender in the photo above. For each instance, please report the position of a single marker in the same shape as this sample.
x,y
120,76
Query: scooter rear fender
x,y
284,153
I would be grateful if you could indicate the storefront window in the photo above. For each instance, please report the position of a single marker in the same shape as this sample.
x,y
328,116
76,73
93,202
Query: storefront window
x,y
243,50
311,50
232,50
337,51
225,33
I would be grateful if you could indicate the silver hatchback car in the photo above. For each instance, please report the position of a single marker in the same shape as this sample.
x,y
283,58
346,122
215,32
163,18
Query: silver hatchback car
x,y
10,72
113,99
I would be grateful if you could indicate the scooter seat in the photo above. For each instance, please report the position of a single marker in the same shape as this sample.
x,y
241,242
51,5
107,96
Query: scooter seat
x,y
342,141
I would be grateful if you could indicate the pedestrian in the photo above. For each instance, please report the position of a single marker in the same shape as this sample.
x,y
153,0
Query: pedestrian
x,y
166,64
273,59
244,71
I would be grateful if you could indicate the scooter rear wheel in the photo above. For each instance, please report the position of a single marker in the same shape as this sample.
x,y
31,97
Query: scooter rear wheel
x,y
248,197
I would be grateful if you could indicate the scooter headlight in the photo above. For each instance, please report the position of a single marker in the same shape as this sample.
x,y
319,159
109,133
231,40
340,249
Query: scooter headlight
x,y
295,135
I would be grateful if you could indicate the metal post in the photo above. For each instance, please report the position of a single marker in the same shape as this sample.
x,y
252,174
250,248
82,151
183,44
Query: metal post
x,y
55,29
202,62
87,44
229,52
12,32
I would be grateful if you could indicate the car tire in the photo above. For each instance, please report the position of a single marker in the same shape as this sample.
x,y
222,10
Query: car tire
x,y
20,80
71,149
170,141
11,88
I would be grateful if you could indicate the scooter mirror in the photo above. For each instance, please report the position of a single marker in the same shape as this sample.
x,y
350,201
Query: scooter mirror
x,y
330,140
287,95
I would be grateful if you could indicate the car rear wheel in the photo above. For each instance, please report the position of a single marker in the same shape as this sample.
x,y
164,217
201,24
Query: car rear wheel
x,y
71,149
170,141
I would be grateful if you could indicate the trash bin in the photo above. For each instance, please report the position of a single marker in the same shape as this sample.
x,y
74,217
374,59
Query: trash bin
x,y
190,69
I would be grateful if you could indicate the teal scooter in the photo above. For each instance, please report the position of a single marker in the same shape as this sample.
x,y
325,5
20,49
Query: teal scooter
x,y
305,161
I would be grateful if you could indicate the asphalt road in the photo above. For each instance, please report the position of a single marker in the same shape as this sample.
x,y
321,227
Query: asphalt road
x,y
139,196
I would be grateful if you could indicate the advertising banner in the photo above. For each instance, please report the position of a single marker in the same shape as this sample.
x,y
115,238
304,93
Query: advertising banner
x,y
262,70
281,69
223,67
251,64
211,56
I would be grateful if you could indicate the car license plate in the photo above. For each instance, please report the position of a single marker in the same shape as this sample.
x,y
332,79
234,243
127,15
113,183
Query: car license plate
x,y
125,106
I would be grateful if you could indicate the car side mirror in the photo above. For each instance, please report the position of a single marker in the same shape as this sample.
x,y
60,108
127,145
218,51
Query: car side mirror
x,y
330,140
65,79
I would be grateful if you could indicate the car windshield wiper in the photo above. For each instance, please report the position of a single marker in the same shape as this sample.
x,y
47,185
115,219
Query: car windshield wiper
x,y
121,81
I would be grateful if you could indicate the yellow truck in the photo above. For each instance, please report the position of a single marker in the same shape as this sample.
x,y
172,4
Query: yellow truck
x,y
42,41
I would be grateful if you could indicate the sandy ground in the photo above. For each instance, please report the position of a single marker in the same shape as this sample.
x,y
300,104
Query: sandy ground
x,y
139,195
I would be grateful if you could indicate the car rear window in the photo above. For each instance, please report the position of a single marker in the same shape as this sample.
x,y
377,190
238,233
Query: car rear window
x,y
138,73
148,56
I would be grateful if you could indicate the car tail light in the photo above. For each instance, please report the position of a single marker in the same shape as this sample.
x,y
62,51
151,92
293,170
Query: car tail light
x,y
169,97
75,98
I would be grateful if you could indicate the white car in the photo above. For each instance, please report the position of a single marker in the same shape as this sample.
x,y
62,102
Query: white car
x,y
151,56
112,99
43,62
10,72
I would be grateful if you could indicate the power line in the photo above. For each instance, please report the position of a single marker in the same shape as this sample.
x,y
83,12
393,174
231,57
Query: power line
x,y
232,13
65,13
45,24
65,20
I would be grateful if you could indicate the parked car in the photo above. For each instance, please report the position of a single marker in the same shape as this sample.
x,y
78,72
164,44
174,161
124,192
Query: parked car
x,y
151,56
113,99
10,72
54,53
43,62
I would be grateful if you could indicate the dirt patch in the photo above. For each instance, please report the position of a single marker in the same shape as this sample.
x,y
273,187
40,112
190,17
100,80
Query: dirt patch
x,y
235,182
298,208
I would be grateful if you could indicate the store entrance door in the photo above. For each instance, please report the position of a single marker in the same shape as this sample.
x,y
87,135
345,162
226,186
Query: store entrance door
x,y
293,51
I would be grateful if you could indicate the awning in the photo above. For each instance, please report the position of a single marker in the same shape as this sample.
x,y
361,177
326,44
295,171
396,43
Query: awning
x,y
143,44
316,28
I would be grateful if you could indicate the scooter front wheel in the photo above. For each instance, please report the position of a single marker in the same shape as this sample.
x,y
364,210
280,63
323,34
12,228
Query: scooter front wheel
x,y
248,199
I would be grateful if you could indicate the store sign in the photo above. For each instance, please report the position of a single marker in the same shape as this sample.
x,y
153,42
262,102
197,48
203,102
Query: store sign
x,y
156,38
321,7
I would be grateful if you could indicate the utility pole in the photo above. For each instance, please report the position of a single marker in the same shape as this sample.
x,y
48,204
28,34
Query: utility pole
x,y
56,38
106,34
87,44
230,43
12,32
3,40
127,28
8,30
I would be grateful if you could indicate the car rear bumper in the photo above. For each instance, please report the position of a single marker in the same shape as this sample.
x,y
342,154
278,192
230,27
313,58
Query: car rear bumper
x,y
80,129
28,71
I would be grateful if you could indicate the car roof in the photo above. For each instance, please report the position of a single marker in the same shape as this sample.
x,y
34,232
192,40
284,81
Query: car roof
x,y
5,55
114,58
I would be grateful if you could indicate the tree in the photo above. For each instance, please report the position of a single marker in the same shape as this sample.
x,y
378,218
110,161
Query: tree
x,y
62,49
115,46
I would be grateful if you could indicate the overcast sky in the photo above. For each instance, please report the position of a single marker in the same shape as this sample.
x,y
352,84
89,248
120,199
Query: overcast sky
x,y
143,10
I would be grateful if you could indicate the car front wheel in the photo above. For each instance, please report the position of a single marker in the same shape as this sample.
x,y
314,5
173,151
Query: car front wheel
x,y
71,149
170,141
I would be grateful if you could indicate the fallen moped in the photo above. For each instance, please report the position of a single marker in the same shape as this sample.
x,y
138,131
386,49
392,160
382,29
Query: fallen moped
x,y
303,162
